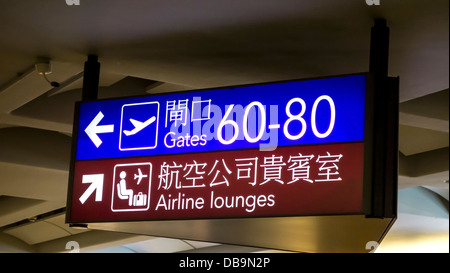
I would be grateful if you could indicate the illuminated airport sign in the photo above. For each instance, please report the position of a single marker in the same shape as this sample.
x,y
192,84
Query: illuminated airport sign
x,y
275,149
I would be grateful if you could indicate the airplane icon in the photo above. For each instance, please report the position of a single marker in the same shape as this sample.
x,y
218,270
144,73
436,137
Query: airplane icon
x,y
139,176
138,126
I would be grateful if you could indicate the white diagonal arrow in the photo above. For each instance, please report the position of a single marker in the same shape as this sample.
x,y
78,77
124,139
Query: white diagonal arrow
x,y
93,129
96,181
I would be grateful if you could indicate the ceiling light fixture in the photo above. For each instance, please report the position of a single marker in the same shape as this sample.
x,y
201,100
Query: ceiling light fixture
x,y
44,67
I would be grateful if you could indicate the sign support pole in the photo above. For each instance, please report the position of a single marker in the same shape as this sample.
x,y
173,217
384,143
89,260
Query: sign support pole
x,y
385,126
91,79
379,49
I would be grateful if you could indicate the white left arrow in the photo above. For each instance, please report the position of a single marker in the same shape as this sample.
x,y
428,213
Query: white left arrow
x,y
93,129
96,181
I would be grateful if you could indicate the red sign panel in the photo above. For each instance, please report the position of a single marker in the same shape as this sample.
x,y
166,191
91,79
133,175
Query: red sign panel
x,y
289,181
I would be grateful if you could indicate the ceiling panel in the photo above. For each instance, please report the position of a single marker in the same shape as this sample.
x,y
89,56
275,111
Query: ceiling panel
x,y
414,140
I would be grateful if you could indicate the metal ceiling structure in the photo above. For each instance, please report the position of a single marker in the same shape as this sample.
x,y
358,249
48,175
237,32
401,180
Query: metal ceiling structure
x,y
148,47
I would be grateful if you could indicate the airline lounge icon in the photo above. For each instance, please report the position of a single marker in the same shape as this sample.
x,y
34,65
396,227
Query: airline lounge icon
x,y
139,126
131,187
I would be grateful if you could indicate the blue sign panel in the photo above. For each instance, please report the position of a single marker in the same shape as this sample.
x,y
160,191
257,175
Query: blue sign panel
x,y
264,116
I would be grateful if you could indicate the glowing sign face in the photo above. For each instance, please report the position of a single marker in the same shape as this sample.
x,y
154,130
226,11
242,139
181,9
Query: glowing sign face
x,y
278,149
258,116
310,180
